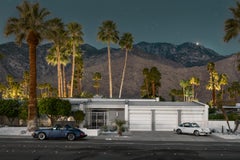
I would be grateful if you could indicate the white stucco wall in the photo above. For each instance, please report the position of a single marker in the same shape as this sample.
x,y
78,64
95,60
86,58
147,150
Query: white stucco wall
x,y
165,118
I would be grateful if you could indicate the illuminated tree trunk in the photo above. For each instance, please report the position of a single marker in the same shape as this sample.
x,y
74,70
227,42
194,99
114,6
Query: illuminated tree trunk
x,y
32,106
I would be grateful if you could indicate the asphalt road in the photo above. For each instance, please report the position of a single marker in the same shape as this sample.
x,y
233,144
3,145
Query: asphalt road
x,y
116,149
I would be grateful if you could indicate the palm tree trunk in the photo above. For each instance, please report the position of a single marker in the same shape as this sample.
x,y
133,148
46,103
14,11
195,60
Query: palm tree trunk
x,y
193,91
123,74
80,85
73,70
64,82
153,89
184,99
214,97
109,71
61,80
226,118
147,87
59,71
32,106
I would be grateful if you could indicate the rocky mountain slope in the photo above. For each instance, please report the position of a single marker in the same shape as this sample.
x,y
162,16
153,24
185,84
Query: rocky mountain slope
x,y
174,62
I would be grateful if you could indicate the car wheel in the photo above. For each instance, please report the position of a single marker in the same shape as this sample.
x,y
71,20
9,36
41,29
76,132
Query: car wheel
x,y
41,136
178,131
196,133
71,136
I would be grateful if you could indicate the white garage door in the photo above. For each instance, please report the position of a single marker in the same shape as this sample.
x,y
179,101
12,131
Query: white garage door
x,y
192,117
166,120
140,120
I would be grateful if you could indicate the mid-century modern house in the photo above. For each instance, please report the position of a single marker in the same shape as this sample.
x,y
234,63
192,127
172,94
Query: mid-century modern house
x,y
140,114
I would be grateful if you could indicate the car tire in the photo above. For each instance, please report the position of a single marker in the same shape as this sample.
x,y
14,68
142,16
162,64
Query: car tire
x,y
71,137
41,136
179,131
196,133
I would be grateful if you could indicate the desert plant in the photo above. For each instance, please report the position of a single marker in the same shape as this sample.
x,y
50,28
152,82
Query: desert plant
x,y
120,126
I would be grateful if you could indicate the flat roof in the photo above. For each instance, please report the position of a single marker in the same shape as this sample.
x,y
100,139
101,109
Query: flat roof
x,y
162,103
131,102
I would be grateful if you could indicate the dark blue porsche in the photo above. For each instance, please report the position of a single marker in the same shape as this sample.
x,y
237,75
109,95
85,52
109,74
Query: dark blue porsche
x,y
58,132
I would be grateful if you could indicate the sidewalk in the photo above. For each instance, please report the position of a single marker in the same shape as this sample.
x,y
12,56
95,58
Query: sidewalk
x,y
167,136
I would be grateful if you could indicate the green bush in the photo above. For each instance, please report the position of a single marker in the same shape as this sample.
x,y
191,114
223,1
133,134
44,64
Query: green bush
x,y
231,116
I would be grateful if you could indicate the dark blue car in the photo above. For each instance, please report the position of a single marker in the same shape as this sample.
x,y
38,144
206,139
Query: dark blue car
x,y
57,132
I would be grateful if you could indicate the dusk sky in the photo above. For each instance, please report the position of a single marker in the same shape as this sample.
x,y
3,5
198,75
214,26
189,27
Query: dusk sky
x,y
170,21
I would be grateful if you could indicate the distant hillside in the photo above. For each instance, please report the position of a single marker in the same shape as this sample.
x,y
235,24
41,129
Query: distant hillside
x,y
174,62
187,54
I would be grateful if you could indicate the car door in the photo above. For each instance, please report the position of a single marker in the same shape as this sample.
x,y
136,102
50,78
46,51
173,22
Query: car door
x,y
56,133
187,128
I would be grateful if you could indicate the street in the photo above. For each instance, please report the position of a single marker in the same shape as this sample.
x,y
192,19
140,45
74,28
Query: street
x,y
100,149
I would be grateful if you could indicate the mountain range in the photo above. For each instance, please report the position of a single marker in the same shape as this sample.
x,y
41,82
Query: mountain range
x,y
175,63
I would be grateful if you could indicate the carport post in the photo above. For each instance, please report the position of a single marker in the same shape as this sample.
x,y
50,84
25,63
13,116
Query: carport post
x,y
179,116
126,116
153,120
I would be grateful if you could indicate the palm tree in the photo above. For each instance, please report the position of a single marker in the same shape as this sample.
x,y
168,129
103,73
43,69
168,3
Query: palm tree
x,y
232,25
223,80
146,80
120,126
126,42
213,78
184,84
57,35
75,36
78,74
64,60
108,34
154,77
52,59
194,81
30,26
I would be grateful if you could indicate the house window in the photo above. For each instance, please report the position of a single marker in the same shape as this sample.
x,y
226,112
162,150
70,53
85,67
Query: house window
x,y
98,119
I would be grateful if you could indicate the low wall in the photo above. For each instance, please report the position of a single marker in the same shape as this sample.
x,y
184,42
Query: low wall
x,y
91,132
220,126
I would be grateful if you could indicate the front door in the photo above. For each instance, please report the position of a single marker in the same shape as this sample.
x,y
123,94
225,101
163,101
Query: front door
x,y
99,119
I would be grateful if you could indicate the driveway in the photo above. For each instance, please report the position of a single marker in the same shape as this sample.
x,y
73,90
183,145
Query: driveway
x,y
163,136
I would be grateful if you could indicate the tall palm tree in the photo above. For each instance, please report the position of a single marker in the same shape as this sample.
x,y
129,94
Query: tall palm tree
x,y
223,80
154,78
57,35
146,80
64,60
52,59
126,42
184,84
232,25
75,36
213,84
78,74
30,26
108,34
194,81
